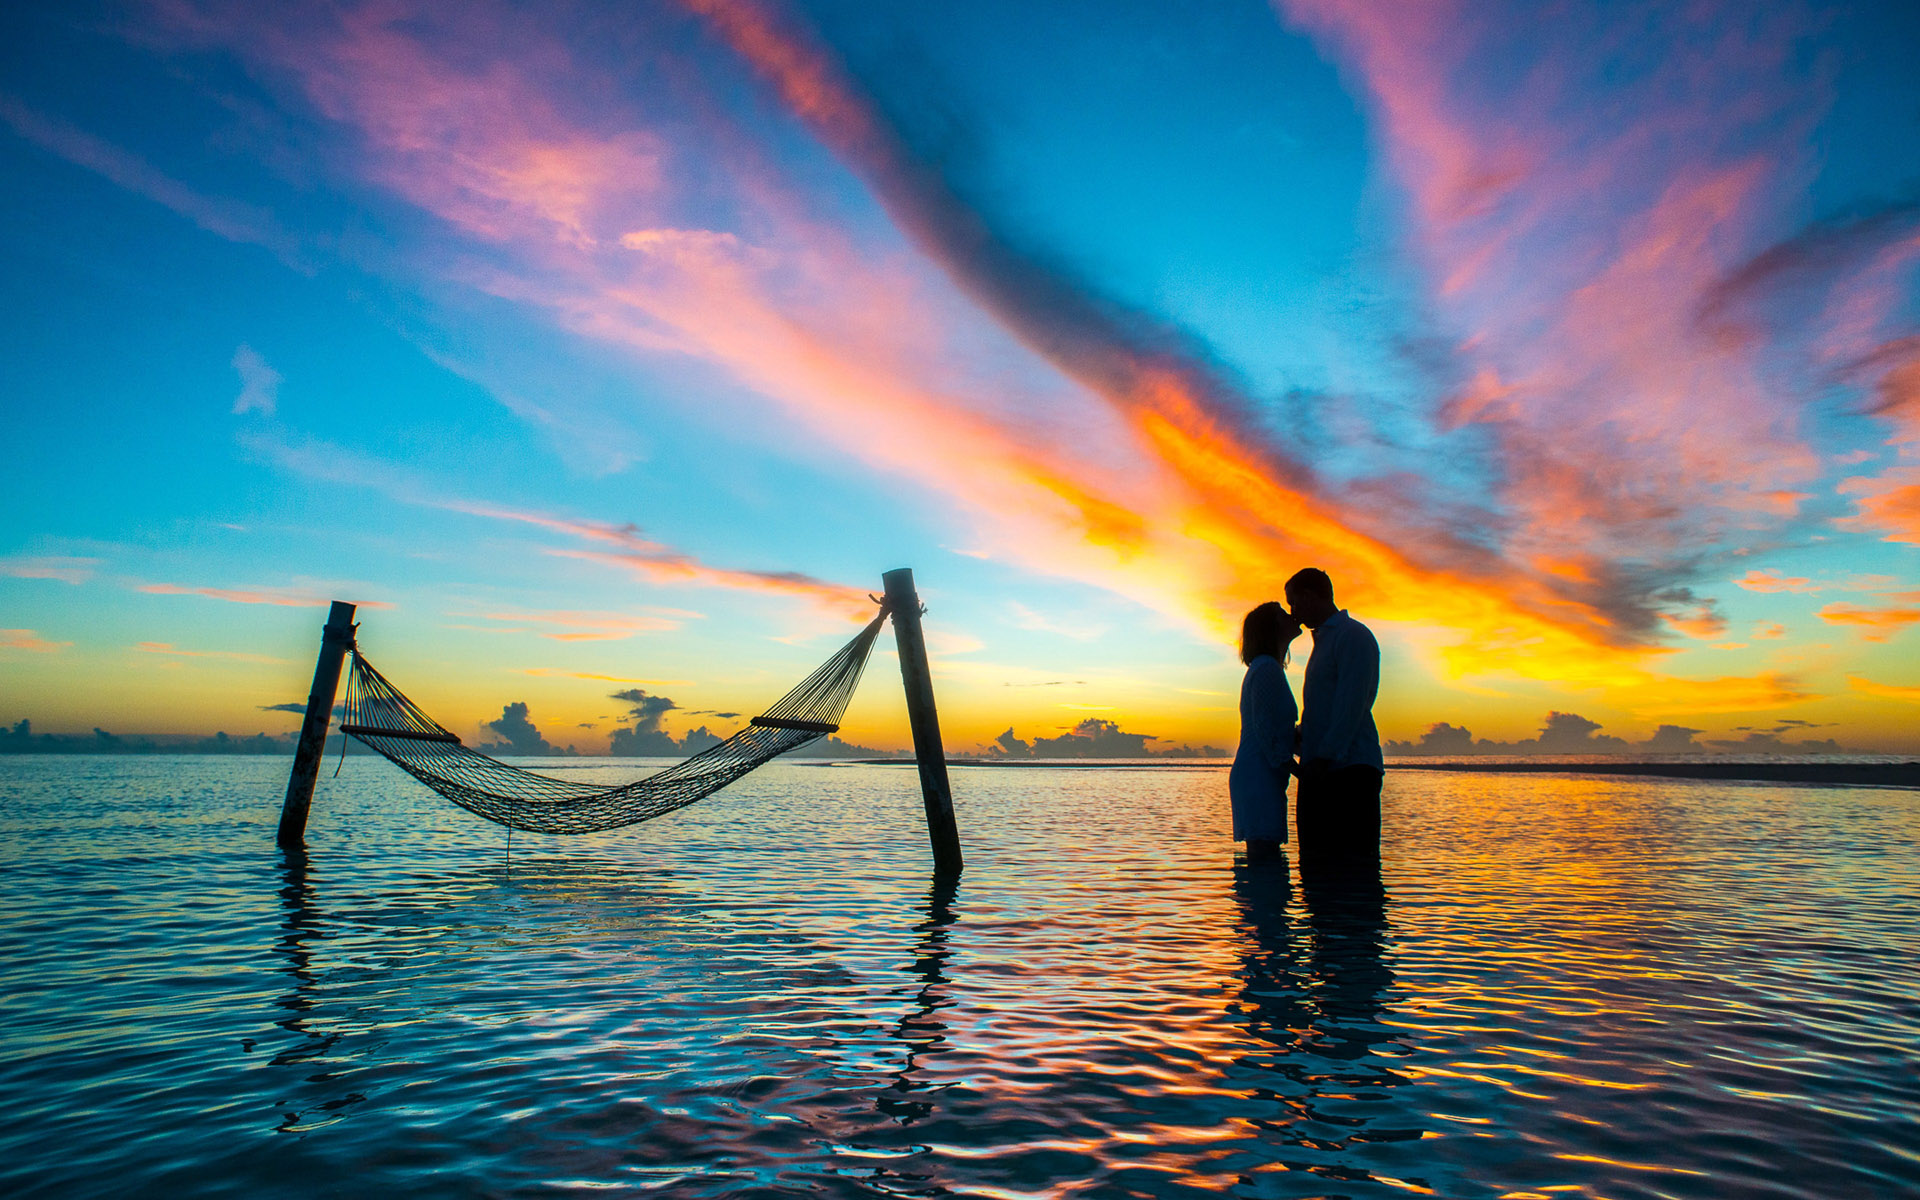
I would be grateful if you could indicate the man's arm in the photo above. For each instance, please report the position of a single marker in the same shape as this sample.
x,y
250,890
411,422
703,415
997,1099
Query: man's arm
x,y
1355,686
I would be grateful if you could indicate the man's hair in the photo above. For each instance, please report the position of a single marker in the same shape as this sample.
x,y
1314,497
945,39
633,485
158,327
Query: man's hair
x,y
1313,581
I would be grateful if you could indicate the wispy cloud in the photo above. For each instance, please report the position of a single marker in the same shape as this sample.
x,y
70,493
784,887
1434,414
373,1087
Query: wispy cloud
x,y
27,639
1059,626
282,597
1678,697
566,626
663,564
64,568
259,383
225,218
172,651
555,672
629,549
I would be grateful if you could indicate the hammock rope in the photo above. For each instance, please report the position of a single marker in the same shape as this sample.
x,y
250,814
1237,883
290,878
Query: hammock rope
x,y
382,717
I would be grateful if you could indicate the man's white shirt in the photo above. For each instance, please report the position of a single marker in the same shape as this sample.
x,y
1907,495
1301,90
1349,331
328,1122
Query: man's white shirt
x,y
1342,679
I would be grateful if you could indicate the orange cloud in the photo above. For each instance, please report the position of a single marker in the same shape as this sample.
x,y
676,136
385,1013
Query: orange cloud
x,y
1891,691
1888,504
1877,624
1768,630
1771,580
27,639
1700,621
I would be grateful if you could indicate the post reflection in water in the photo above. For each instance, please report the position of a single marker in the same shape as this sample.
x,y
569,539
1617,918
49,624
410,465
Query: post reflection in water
x,y
300,926
1313,998
922,1030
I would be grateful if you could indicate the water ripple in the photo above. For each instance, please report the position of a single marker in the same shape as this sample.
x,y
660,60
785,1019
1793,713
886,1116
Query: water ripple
x,y
1556,987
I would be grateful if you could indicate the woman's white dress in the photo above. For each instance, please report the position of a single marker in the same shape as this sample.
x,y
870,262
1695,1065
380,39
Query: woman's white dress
x,y
1257,784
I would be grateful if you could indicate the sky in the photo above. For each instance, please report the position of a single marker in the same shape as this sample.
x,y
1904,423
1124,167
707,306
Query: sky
x,y
602,348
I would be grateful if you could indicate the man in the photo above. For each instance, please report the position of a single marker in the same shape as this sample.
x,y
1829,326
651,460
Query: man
x,y
1340,763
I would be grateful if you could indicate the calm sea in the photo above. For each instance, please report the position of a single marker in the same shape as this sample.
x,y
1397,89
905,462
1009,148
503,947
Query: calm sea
x,y
1561,987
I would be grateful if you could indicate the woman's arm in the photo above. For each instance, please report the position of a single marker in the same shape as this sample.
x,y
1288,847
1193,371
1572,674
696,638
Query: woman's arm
x,y
1274,714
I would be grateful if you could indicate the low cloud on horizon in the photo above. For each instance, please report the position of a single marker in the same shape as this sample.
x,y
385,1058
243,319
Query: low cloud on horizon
x,y
1572,734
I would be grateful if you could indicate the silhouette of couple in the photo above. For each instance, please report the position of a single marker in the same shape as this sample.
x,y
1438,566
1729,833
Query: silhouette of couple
x,y
1339,765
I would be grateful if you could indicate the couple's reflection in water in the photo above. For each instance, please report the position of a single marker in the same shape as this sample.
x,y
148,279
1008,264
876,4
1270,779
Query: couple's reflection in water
x,y
1313,998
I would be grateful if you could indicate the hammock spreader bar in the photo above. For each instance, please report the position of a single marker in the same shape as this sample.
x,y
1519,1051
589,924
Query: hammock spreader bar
x,y
383,718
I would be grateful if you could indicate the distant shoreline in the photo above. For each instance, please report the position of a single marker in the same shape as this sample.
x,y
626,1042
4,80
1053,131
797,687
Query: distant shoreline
x,y
1900,774
1892,774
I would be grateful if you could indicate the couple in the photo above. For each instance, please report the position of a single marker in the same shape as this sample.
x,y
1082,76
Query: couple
x,y
1339,765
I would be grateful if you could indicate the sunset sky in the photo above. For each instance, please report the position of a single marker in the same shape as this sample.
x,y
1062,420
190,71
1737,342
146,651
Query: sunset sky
x,y
594,347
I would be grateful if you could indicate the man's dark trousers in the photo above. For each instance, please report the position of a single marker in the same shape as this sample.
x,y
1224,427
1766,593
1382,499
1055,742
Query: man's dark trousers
x,y
1339,813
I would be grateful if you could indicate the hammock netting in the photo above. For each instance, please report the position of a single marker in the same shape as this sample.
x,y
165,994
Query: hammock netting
x,y
380,716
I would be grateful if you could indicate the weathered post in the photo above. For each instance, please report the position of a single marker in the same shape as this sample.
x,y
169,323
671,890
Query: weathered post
x,y
903,605
334,642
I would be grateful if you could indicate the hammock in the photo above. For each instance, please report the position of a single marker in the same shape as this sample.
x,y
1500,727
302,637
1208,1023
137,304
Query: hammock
x,y
382,717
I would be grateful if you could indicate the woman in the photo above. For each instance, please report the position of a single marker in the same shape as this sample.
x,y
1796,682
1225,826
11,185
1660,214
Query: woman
x,y
1258,782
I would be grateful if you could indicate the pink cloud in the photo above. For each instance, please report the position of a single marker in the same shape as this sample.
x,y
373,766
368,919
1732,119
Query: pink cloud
x,y
1579,179
27,639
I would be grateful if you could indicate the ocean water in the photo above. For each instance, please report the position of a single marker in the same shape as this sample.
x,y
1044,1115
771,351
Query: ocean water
x,y
1558,987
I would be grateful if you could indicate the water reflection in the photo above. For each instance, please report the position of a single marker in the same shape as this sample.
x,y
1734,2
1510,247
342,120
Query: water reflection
x,y
1314,983
922,1030
1346,906
1270,993
300,926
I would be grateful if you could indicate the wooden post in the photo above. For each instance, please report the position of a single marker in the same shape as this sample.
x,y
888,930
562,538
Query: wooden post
x,y
903,605
334,641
